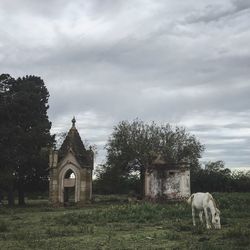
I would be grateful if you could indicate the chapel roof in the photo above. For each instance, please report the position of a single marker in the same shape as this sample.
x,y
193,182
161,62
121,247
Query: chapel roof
x,y
73,143
160,162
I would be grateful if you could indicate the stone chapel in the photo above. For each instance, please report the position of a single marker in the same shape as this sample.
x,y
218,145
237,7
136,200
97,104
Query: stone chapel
x,y
70,170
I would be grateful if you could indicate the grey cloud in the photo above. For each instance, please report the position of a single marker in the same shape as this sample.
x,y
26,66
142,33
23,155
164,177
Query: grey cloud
x,y
237,125
215,12
241,5
48,8
211,13
184,63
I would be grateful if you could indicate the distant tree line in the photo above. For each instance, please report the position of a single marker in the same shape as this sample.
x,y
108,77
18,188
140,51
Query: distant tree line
x,y
132,147
214,177
24,136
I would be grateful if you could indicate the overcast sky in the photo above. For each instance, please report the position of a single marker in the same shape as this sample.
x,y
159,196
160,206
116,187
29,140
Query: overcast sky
x,y
182,62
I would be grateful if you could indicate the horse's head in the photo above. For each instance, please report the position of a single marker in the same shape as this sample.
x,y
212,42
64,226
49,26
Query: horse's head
x,y
216,219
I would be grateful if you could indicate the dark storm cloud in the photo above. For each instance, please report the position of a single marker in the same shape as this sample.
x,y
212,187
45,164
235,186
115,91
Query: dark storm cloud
x,y
184,62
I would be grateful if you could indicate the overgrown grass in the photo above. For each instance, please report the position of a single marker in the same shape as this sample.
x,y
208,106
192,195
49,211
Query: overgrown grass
x,y
136,213
113,223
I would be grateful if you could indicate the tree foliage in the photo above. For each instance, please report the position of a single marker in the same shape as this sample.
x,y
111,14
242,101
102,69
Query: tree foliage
x,y
7,151
240,181
134,145
110,180
26,130
214,177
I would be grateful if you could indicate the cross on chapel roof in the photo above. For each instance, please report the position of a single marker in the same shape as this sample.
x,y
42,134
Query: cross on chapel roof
x,y
73,122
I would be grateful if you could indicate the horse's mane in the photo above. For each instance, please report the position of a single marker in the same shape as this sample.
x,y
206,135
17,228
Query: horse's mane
x,y
213,200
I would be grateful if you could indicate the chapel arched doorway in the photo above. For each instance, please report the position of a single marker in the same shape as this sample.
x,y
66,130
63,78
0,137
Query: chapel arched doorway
x,y
69,187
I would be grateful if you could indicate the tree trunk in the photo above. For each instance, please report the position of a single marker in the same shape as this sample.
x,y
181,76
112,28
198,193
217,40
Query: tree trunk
x,y
21,201
142,180
11,201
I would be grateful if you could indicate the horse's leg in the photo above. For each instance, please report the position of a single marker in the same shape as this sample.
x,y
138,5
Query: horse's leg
x,y
207,218
200,215
193,215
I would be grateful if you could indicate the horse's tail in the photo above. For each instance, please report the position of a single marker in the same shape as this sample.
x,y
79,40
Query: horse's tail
x,y
190,199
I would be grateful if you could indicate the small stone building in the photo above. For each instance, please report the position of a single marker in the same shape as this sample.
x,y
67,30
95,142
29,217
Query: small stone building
x,y
70,170
167,181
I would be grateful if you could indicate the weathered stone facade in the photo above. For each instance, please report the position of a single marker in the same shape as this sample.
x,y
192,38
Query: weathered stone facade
x,y
71,171
167,181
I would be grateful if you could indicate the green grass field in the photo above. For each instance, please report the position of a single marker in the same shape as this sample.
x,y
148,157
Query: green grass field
x,y
112,223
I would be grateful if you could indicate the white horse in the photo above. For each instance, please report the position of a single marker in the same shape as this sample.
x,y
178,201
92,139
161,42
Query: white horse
x,y
203,202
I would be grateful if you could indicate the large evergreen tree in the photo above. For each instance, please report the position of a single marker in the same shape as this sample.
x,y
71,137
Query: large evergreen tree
x,y
7,155
29,131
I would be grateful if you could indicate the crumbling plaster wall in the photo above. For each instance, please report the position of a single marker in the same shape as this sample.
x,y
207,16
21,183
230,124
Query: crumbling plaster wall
x,y
172,184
